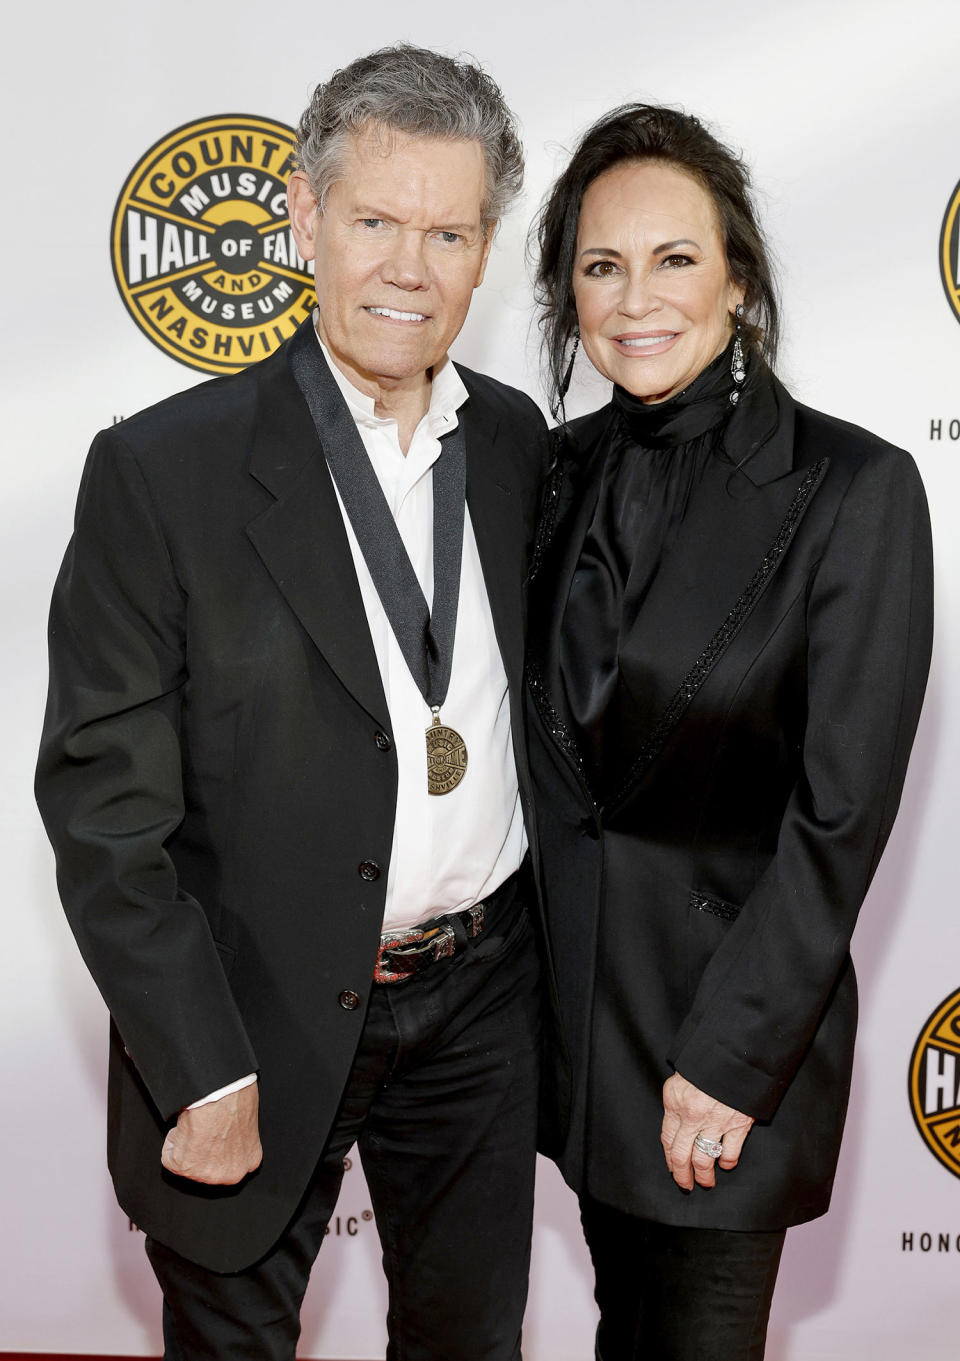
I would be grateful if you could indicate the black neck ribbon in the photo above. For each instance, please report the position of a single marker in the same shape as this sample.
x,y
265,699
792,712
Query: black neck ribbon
x,y
425,638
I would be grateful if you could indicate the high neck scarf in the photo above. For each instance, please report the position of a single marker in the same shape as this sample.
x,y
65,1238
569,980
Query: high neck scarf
x,y
692,412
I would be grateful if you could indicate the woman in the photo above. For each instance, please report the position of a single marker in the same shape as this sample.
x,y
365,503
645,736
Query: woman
x,y
731,634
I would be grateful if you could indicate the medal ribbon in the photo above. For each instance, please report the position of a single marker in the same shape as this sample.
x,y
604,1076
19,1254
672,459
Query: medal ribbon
x,y
425,639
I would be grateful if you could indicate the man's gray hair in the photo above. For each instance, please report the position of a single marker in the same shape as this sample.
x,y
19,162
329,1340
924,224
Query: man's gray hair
x,y
421,93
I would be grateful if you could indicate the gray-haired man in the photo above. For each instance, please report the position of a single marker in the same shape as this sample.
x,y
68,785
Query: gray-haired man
x,y
280,765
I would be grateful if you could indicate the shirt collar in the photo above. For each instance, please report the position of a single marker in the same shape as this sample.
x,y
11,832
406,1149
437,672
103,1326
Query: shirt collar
x,y
447,395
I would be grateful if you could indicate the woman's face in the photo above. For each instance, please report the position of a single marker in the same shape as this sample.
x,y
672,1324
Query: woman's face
x,y
654,298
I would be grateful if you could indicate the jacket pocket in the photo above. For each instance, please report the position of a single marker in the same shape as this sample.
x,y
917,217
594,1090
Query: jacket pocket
x,y
708,923
716,907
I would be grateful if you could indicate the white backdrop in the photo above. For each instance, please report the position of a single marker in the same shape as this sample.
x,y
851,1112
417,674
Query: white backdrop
x,y
848,110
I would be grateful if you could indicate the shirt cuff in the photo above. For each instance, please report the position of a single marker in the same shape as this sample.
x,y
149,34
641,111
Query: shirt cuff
x,y
237,1086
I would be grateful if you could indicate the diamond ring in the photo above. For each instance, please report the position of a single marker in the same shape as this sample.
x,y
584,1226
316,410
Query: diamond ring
x,y
712,1147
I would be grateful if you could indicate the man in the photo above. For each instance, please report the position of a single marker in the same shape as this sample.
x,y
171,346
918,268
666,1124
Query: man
x,y
280,761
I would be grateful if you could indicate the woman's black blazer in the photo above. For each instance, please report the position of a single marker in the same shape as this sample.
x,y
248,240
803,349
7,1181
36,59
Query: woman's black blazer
x,y
701,909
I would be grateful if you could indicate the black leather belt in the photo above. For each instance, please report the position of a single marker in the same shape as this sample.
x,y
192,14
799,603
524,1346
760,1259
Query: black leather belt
x,y
403,953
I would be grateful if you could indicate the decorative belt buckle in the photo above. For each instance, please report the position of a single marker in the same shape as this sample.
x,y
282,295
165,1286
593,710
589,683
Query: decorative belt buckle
x,y
396,969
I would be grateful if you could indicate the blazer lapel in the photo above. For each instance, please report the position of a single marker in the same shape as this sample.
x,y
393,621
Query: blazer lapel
x,y
571,500
734,536
496,515
302,541
738,526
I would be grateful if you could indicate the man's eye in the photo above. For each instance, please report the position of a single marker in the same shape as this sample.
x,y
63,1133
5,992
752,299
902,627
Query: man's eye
x,y
450,238
373,221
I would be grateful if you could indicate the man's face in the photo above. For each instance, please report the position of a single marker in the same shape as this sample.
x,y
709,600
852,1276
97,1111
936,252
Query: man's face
x,y
397,251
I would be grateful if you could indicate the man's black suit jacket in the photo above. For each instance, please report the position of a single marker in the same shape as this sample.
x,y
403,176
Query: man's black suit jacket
x,y
214,774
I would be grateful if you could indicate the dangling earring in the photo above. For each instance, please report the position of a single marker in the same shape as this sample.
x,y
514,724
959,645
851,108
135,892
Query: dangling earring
x,y
565,381
738,365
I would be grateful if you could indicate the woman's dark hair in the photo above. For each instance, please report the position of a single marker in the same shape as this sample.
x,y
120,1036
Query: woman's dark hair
x,y
645,132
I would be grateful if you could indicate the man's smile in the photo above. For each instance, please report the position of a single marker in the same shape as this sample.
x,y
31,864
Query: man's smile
x,y
392,314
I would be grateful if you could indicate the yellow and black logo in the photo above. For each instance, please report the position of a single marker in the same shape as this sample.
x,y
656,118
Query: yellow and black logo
x,y
950,252
201,245
934,1079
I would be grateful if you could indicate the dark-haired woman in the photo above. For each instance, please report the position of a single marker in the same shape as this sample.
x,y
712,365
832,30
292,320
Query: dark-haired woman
x,y
732,623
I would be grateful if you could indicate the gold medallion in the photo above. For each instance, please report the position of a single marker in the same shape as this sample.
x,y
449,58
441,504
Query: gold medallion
x,y
446,757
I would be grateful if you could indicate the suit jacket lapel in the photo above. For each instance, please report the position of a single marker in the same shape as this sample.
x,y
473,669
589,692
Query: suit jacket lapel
x,y
302,541
571,499
577,489
708,585
496,515
738,525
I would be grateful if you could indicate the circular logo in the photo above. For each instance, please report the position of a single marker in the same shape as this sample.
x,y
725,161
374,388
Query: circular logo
x,y
934,1078
950,252
201,245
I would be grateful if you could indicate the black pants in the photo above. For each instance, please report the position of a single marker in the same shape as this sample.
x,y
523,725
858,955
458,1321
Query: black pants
x,y
672,1294
441,1101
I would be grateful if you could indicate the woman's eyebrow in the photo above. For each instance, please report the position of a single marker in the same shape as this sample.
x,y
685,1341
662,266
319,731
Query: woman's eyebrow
x,y
672,245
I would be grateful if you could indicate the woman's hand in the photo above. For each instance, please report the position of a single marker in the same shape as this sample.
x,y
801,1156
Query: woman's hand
x,y
688,1112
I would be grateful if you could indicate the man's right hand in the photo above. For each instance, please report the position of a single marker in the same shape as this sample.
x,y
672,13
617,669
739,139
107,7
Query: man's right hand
x,y
218,1143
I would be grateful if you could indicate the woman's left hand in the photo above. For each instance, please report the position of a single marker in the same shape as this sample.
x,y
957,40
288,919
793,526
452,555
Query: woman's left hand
x,y
687,1112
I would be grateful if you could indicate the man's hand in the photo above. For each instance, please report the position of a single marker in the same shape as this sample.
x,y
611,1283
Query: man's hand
x,y
218,1143
688,1112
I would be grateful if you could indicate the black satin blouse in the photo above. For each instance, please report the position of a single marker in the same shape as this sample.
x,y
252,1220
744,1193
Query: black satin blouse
x,y
657,455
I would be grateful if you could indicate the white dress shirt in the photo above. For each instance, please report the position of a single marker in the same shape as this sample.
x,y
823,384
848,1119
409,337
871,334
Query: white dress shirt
x,y
449,850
